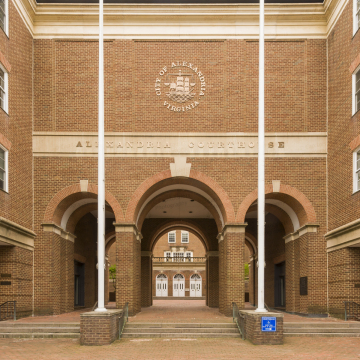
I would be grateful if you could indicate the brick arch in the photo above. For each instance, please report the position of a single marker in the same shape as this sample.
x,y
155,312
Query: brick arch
x,y
164,178
178,225
181,194
65,193
282,216
288,194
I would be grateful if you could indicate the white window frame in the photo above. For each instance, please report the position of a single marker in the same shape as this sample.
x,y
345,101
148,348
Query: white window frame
x,y
354,109
185,232
172,232
355,17
6,188
355,170
6,88
6,30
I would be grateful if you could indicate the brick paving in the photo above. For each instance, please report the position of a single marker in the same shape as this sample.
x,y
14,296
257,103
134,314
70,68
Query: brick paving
x,y
170,311
180,349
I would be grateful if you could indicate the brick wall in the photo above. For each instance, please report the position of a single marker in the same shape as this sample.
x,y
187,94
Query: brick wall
x,y
16,126
343,48
344,279
18,263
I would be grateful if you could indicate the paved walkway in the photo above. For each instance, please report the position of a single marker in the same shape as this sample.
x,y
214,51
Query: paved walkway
x,y
181,311
302,348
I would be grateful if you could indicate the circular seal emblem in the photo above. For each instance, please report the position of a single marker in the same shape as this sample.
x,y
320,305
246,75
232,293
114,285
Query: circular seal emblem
x,y
181,87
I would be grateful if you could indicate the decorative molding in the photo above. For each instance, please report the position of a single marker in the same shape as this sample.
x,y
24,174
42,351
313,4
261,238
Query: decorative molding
x,y
180,145
180,167
231,228
128,228
344,236
51,227
147,253
174,21
276,186
12,234
212,253
84,184
308,228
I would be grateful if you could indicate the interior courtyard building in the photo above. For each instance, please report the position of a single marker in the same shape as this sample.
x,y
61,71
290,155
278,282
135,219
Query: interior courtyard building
x,y
181,115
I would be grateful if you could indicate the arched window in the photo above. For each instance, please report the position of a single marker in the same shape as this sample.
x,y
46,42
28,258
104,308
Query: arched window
x,y
195,277
179,276
162,276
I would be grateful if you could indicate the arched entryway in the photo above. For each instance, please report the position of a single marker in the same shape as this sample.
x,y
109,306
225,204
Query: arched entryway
x,y
179,285
195,285
162,285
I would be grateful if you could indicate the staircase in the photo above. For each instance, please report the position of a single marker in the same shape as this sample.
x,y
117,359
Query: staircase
x,y
37,330
328,329
180,330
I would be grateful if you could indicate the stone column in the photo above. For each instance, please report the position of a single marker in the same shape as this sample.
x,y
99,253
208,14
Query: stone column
x,y
231,264
128,267
146,278
212,294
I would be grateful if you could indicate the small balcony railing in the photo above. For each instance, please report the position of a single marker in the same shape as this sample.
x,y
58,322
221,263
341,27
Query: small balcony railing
x,y
185,259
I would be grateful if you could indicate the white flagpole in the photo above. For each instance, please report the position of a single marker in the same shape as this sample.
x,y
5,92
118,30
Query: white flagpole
x,y
101,169
261,166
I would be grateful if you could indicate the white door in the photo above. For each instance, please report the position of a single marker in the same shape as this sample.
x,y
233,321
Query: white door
x,y
195,285
179,285
161,285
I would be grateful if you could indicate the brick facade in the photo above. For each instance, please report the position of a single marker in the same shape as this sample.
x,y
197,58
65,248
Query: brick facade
x,y
53,89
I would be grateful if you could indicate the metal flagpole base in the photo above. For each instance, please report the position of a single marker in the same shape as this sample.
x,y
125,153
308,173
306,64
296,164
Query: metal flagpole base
x,y
260,310
100,310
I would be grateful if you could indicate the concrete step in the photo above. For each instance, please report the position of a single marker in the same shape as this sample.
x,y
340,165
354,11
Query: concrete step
x,y
36,324
38,329
335,325
180,325
169,335
321,330
321,334
41,335
181,330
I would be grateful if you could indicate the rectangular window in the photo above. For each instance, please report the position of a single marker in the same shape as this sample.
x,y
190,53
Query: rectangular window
x,y
356,16
3,89
356,166
2,14
184,236
167,255
178,257
189,256
172,237
3,169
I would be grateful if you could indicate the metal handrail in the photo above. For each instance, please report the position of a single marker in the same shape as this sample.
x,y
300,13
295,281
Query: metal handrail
x,y
352,310
124,318
180,259
239,320
6,313
94,307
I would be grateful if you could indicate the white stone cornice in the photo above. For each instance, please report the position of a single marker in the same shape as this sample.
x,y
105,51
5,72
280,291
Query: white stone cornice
x,y
344,236
50,227
308,228
174,21
231,228
12,234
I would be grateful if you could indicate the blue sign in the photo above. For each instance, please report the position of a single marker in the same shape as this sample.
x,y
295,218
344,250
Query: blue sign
x,y
268,323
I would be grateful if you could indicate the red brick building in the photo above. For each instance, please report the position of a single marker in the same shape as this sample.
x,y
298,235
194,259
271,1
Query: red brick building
x,y
181,95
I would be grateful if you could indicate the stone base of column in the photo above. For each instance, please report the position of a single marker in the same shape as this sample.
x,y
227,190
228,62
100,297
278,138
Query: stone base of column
x,y
254,330
99,328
